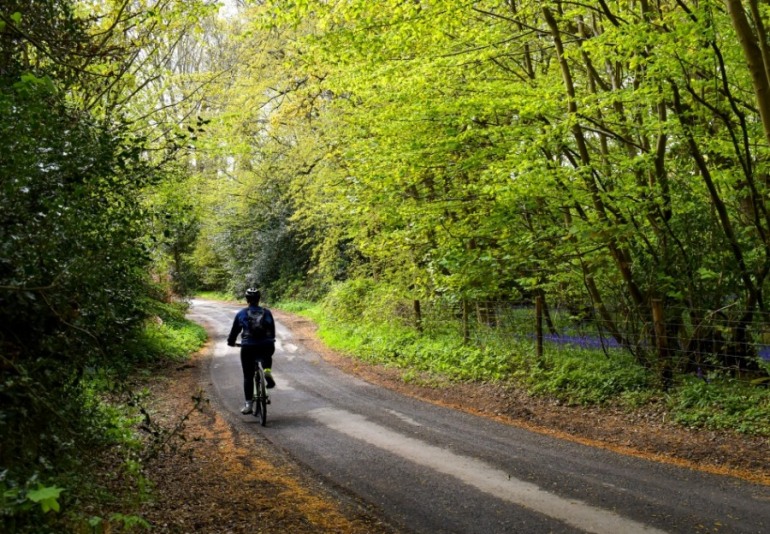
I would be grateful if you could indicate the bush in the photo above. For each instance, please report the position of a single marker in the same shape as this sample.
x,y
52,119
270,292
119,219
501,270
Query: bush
x,y
347,301
361,300
101,414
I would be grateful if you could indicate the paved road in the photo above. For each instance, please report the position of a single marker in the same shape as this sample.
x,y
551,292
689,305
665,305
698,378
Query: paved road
x,y
429,469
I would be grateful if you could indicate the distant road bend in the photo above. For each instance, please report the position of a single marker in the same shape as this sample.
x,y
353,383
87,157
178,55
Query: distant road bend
x,y
430,469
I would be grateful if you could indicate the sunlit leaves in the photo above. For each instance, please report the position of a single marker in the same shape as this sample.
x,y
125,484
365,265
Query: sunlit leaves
x,y
465,147
47,497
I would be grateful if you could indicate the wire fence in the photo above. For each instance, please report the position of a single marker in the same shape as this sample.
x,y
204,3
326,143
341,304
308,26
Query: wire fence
x,y
666,341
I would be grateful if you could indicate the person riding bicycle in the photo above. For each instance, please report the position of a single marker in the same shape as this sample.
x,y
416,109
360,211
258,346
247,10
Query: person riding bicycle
x,y
256,326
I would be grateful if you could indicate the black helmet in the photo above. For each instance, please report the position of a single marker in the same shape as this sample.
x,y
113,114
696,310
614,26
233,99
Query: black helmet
x,y
253,294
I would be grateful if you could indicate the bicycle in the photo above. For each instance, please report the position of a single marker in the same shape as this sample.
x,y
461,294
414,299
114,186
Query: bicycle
x,y
261,398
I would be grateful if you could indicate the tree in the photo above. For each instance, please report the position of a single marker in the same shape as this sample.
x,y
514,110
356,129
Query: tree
x,y
493,151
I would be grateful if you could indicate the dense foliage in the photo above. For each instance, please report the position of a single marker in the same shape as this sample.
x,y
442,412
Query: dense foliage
x,y
80,157
609,158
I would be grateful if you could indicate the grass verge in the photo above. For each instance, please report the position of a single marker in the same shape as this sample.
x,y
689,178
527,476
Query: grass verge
x,y
573,375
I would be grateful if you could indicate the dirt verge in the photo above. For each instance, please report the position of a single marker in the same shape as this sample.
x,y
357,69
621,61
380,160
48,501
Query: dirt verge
x,y
217,477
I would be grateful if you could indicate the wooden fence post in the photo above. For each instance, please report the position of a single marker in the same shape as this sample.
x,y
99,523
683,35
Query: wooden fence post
x,y
466,326
661,342
539,326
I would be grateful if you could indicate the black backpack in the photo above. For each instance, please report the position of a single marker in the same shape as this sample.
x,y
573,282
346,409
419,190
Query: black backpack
x,y
255,323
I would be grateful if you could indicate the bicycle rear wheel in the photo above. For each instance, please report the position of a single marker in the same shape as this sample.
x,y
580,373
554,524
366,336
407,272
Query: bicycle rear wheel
x,y
260,396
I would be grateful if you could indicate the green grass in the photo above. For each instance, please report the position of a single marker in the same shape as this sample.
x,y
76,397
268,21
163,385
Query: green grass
x,y
299,307
585,376
112,400
215,295
167,335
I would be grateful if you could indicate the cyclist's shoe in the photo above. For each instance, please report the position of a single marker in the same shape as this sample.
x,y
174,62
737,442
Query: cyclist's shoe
x,y
247,407
269,379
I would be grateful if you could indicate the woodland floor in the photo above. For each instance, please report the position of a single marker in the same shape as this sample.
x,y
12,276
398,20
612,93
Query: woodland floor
x,y
222,479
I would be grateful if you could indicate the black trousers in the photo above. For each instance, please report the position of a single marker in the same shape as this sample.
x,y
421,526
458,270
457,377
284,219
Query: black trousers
x,y
250,355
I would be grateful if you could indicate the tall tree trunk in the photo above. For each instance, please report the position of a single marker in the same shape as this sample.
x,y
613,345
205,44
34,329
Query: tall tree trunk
x,y
755,50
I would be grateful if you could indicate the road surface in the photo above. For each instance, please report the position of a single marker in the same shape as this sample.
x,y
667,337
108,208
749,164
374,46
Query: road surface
x,y
430,469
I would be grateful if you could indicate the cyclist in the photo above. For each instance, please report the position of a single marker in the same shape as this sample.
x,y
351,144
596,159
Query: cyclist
x,y
257,343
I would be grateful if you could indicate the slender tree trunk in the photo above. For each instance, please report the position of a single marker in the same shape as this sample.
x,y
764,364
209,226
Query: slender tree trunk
x,y
621,256
547,313
417,314
661,342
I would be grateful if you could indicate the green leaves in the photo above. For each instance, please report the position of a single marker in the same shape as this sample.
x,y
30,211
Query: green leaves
x,y
74,265
493,150
29,84
47,497
16,499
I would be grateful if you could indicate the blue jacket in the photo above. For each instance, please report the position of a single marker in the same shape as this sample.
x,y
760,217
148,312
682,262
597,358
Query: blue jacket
x,y
240,325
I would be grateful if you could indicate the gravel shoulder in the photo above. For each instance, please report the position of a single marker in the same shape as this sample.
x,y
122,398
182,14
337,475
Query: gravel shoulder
x,y
219,478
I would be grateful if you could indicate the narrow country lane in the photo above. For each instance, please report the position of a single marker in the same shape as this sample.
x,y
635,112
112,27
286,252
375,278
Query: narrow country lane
x,y
431,469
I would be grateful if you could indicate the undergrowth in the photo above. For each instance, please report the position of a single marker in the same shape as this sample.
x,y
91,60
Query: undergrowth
x,y
721,402
574,375
167,335
96,478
